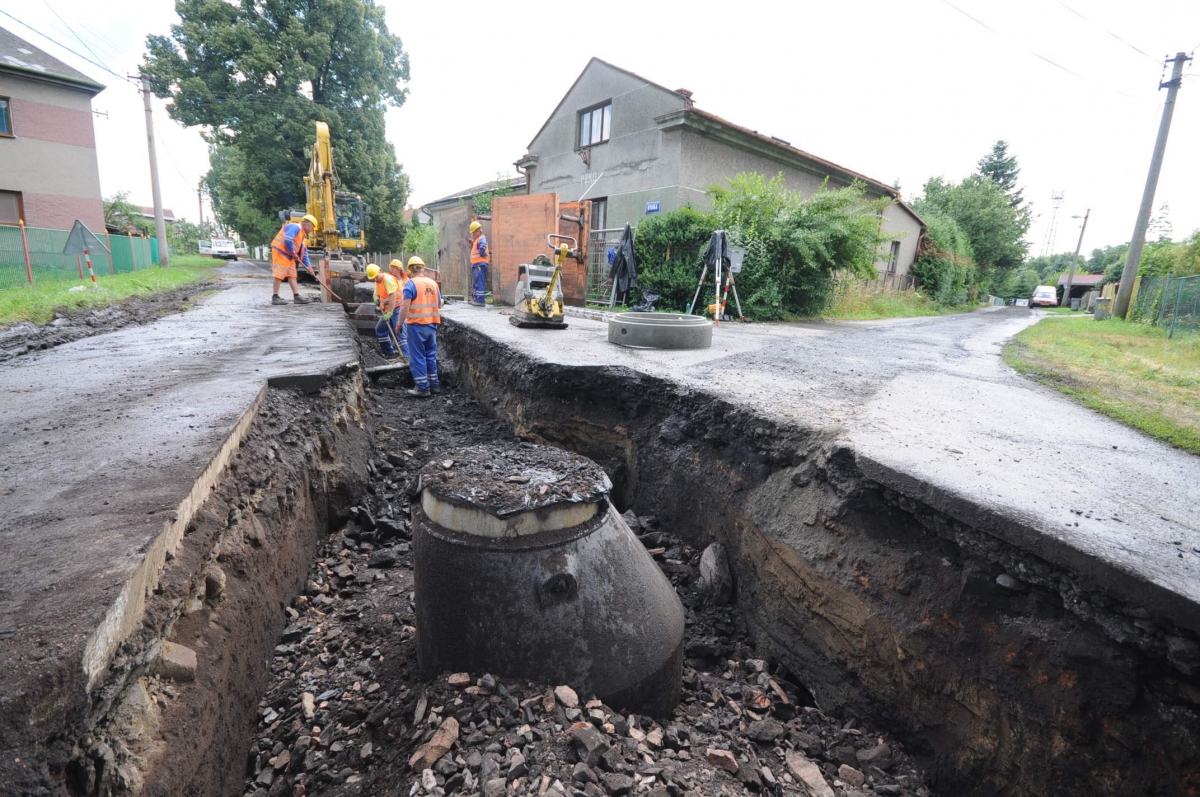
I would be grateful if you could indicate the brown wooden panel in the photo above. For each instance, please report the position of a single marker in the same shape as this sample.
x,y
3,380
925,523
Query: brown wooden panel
x,y
454,250
575,271
519,228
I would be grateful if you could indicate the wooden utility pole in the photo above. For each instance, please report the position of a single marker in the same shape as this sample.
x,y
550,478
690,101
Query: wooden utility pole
x,y
1074,260
160,224
200,202
1134,257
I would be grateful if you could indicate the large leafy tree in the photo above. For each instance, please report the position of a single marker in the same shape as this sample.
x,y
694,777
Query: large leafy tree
x,y
256,74
1002,169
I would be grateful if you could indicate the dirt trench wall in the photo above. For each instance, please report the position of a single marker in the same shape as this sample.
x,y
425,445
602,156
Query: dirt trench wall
x,y
1011,676
224,595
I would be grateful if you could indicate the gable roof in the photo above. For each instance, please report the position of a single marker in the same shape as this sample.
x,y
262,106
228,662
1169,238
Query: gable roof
x,y
1081,279
21,57
595,60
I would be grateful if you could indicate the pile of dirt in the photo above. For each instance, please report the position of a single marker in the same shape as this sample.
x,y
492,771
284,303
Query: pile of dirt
x,y
347,713
68,325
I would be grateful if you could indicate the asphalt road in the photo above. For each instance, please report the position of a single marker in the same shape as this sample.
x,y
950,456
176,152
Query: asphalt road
x,y
931,410
103,439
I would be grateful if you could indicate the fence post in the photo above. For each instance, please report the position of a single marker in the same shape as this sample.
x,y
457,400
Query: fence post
x,y
1162,303
25,246
132,252
108,239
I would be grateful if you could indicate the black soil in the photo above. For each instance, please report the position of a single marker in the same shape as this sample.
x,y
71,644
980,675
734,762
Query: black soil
x,y
506,479
68,325
346,711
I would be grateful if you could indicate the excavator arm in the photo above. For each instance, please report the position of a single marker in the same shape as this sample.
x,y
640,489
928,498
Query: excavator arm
x,y
321,184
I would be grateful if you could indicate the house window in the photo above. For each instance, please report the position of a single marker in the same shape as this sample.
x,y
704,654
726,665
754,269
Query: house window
x,y
11,208
594,125
6,128
599,214
894,258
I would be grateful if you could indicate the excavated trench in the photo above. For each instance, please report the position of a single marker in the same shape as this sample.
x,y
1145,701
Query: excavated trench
x,y
1003,674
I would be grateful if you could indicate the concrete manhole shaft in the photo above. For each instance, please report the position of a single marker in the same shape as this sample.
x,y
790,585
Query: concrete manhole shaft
x,y
524,569
660,331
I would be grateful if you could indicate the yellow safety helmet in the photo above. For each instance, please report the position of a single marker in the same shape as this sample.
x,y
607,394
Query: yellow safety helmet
x,y
475,226
396,264
414,262
372,271
311,219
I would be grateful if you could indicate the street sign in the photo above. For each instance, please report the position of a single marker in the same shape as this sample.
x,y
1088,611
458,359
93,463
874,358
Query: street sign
x,y
736,255
81,240
653,207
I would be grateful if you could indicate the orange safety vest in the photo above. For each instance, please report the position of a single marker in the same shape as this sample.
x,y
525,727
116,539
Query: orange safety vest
x,y
279,252
385,289
486,257
425,309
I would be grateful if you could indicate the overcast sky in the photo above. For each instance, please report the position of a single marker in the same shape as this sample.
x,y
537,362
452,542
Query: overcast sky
x,y
895,90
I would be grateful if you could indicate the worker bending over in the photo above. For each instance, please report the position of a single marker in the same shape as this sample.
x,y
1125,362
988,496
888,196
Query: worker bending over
x,y
420,309
481,258
387,301
396,269
288,250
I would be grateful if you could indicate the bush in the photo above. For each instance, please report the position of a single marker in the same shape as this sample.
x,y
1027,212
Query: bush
x,y
421,237
945,269
670,251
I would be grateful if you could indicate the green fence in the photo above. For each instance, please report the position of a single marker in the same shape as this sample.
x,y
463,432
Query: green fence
x,y
1179,307
47,263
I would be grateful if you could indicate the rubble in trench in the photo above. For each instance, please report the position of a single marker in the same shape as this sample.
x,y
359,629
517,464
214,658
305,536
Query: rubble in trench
x,y
346,712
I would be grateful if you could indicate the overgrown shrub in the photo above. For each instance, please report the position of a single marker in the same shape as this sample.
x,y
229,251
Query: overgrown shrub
x,y
794,245
945,268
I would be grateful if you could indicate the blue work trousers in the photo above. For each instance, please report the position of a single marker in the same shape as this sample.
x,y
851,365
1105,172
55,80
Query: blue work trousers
x,y
385,340
422,355
479,272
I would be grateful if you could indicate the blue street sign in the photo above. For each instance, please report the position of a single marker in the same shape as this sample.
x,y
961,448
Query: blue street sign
x,y
653,207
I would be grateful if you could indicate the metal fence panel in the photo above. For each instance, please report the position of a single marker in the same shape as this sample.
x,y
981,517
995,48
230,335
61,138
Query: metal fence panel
x,y
48,264
598,289
1180,305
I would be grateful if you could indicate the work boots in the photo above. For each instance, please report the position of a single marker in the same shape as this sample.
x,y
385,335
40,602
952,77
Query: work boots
x,y
298,299
415,393
277,299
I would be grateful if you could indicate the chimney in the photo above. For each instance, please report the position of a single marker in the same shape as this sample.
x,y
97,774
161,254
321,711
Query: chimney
x,y
687,96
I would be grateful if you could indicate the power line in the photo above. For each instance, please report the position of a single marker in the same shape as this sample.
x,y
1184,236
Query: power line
x,y
63,46
1133,47
72,31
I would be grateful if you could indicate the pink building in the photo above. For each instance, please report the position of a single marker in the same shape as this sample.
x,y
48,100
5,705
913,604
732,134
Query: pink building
x,y
48,171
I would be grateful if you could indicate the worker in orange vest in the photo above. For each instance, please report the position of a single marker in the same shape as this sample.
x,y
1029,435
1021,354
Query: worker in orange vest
x,y
396,269
481,260
420,309
288,250
387,303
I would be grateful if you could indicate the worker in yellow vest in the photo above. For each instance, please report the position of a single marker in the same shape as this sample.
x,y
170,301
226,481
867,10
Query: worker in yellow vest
x,y
387,301
289,250
420,309
481,260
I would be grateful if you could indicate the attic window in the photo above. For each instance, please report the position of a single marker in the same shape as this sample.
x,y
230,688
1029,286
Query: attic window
x,y
594,125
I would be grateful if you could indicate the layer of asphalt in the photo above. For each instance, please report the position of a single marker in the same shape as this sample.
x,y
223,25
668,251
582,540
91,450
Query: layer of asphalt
x,y
931,410
107,442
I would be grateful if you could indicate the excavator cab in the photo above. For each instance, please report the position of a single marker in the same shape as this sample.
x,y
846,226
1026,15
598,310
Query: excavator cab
x,y
353,216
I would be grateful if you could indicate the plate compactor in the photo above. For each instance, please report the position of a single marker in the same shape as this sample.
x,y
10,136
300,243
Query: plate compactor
x,y
539,300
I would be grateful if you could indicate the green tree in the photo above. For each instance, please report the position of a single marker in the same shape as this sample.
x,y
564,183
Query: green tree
x,y
422,238
119,212
255,76
1002,169
983,212
945,264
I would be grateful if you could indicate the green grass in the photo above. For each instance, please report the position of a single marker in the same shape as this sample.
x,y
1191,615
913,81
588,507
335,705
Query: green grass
x,y
1130,372
859,302
39,303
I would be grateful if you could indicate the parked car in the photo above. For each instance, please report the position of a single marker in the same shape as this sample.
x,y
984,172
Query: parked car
x,y
224,248
1044,296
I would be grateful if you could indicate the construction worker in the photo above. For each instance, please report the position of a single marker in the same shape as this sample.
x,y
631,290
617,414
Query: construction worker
x,y
397,270
481,258
420,309
387,301
288,250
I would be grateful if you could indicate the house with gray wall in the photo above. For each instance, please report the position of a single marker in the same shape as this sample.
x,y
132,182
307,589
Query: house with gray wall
x,y
636,148
49,174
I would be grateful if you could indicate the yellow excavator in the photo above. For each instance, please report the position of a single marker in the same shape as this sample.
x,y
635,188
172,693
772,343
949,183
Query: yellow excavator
x,y
342,217
539,300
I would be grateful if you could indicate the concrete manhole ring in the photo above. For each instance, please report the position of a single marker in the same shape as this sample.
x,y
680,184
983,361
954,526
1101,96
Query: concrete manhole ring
x,y
660,331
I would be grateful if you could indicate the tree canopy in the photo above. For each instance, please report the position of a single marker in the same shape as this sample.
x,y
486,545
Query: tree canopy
x,y
255,76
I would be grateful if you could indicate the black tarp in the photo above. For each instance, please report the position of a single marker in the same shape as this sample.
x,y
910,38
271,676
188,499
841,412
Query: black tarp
x,y
624,267
718,246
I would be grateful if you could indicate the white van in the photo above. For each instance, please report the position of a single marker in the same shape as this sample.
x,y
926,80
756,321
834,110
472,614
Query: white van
x,y
224,248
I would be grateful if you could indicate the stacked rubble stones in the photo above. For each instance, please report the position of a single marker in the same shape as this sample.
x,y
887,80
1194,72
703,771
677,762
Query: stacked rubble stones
x,y
346,713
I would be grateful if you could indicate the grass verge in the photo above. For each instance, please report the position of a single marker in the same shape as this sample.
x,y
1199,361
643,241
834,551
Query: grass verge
x,y
39,303
1130,372
859,302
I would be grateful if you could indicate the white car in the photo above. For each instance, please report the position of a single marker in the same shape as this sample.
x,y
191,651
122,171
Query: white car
x,y
1044,296
224,248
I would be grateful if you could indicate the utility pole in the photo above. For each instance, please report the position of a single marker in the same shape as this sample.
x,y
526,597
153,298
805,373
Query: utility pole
x,y
1134,257
200,202
1074,260
160,224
